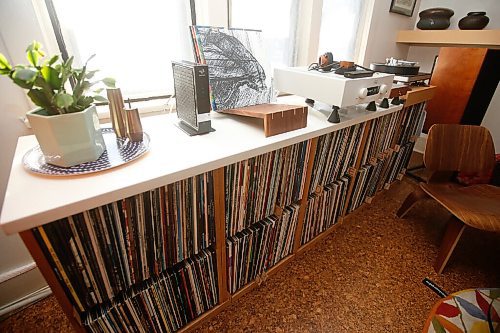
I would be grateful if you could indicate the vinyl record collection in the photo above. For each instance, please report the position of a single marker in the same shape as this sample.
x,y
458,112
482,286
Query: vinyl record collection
x,y
365,183
259,247
335,153
148,263
380,136
104,251
386,167
399,160
255,186
323,209
164,303
413,118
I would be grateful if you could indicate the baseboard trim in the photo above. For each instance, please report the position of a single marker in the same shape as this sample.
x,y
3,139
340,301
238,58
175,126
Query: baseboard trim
x,y
22,303
16,272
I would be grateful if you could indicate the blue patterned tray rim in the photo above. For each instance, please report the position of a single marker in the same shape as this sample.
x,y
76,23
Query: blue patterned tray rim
x,y
118,151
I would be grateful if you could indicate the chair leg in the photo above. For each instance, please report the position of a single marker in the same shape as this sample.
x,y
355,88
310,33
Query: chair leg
x,y
454,230
411,200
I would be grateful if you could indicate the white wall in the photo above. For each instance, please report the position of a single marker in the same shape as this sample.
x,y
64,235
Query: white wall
x,y
18,27
491,119
379,43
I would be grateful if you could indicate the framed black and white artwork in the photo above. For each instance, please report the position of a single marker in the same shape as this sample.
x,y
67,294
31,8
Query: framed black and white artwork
x,y
404,7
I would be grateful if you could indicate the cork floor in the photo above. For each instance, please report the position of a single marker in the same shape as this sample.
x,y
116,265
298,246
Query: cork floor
x,y
364,277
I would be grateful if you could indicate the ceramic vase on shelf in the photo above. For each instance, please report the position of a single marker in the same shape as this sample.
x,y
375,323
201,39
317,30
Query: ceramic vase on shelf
x,y
474,21
68,139
435,19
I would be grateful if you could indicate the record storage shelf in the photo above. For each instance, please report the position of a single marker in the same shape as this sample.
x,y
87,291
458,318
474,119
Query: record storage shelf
x,y
203,260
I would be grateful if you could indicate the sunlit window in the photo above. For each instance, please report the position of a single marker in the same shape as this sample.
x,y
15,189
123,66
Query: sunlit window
x,y
339,28
277,20
134,41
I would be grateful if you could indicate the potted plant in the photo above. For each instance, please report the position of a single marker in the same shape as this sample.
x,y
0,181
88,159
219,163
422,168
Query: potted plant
x,y
66,123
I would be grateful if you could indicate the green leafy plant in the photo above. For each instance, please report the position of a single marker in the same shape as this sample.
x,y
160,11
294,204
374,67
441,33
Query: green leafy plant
x,y
47,82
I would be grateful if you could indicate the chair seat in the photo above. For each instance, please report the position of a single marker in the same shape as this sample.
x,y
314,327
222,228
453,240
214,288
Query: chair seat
x,y
477,206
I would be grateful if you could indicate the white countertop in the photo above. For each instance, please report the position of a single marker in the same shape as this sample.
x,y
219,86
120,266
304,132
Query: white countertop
x,y
32,200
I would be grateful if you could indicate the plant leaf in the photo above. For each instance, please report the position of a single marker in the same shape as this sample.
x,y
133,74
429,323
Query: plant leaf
x,y
51,76
39,98
33,57
64,100
22,84
98,90
85,101
52,60
100,98
27,75
90,58
4,63
90,74
109,82
69,62
34,53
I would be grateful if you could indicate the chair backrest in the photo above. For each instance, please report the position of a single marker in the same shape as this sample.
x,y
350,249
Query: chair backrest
x,y
466,148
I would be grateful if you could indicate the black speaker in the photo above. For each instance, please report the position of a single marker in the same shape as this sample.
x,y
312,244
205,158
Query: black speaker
x,y
192,97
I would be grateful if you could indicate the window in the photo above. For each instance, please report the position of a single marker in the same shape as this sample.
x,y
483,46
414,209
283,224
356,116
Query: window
x,y
134,41
276,19
339,28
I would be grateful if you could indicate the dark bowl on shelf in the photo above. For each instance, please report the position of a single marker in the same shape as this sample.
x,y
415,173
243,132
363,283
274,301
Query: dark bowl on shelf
x,y
435,19
436,12
474,21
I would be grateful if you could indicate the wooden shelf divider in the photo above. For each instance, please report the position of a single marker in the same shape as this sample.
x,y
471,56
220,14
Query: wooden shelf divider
x,y
49,275
220,234
305,195
357,164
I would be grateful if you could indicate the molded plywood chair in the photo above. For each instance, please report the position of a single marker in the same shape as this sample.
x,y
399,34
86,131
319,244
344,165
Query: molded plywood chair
x,y
464,148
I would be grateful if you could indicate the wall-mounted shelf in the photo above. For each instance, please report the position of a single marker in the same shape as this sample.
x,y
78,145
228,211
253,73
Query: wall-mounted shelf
x,y
459,38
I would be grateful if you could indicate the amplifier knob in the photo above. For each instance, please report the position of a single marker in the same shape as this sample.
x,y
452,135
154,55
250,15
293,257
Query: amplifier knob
x,y
363,93
383,89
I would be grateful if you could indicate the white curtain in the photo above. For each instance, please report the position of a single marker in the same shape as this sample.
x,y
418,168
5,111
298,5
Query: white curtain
x,y
134,41
339,27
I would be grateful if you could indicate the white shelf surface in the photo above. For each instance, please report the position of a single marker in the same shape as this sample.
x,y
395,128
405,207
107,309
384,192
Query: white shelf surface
x,y
32,200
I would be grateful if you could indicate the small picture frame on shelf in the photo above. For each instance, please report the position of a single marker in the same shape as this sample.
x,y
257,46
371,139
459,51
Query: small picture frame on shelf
x,y
403,7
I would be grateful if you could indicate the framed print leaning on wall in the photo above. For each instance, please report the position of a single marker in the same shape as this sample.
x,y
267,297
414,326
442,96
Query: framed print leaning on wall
x,y
404,7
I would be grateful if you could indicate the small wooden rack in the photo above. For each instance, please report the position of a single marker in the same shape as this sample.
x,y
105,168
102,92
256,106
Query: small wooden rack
x,y
278,118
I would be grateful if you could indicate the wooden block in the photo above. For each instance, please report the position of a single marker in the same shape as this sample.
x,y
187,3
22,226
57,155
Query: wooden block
x,y
418,95
278,211
399,91
278,118
397,148
319,189
369,200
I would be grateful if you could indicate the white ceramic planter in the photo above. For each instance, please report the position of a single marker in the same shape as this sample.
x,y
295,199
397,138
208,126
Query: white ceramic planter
x,y
68,139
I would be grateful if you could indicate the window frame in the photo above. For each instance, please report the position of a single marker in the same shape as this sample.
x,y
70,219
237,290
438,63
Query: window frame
x,y
103,112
